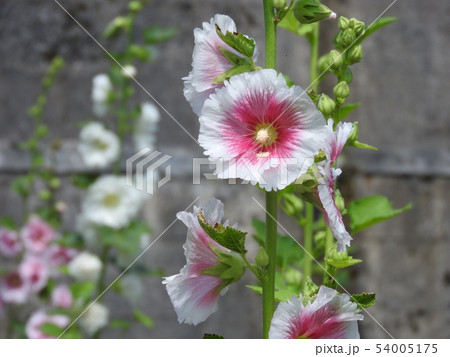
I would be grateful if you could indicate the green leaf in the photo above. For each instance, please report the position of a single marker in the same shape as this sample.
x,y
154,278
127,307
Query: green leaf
x,y
288,251
51,329
155,34
357,144
82,290
7,222
343,262
118,323
72,333
238,42
370,210
364,300
228,237
381,22
144,319
84,180
347,109
211,336
232,72
233,58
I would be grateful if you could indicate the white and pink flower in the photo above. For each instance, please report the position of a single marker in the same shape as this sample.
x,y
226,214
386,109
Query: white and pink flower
x,y
62,297
257,128
207,61
37,235
9,243
330,316
38,319
58,255
195,295
35,272
14,289
334,144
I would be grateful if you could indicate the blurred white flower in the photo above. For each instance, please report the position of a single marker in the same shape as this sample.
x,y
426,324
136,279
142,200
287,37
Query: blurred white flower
x,y
39,318
95,318
146,126
85,266
131,288
111,203
101,86
129,71
99,147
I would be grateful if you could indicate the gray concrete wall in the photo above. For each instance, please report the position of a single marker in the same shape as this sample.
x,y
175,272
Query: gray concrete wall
x,y
402,81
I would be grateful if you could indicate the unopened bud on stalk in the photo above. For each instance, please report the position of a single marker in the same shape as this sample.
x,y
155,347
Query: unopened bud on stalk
x,y
348,75
343,23
355,54
326,105
262,258
357,26
341,92
323,63
346,38
354,134
135,6
279,4
335,60
309,11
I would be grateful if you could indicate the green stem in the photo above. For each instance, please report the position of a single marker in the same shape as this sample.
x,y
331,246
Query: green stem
x,y
308,240
271,249
271,197
314,56
253,270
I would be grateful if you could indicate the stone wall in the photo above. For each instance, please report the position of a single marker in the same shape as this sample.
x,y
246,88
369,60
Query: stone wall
x,y
402,81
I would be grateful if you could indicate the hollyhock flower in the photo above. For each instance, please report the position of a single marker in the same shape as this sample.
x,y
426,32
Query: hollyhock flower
x,y
39,318
58,255
101,86
146,126
207,61
331,316
257,128
95,318
35,271
62,297
111,203
85,266
37,235
334,144
98,146
14,289
9,243
193,293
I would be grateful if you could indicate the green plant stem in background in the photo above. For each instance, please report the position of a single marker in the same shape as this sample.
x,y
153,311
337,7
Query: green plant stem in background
x,y
314,55
308,241
271,197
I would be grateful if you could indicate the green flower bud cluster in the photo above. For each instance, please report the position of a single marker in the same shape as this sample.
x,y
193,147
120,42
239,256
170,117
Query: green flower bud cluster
x,y
326,105
310,11
341,92
351,29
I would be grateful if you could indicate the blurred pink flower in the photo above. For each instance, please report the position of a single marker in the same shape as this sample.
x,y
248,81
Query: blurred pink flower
x,y
37,235
9,243
39,318
194,295
35,271
58,255
14,289
62,297
257,128
207,61
331,315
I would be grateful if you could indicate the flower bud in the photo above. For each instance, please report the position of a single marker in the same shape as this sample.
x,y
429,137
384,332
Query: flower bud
x,y
279,4
45,195
135,6
348,75
355,54
262,258
346,38
354,134
55,183
323,63
335,60
343,23
309,11
293,276
326,105
85,266
341,92
357,26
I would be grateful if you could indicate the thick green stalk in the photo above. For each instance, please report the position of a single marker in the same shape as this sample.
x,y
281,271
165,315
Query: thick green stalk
x,y
314,57
271,197
308,240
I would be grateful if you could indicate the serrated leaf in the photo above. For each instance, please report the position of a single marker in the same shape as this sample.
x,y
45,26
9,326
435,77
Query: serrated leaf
x,y
228,237
232,72
364,300
381,22
347,109
238,42
371,210
144,319
310,288
51,329
82,290
155,34
210,336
